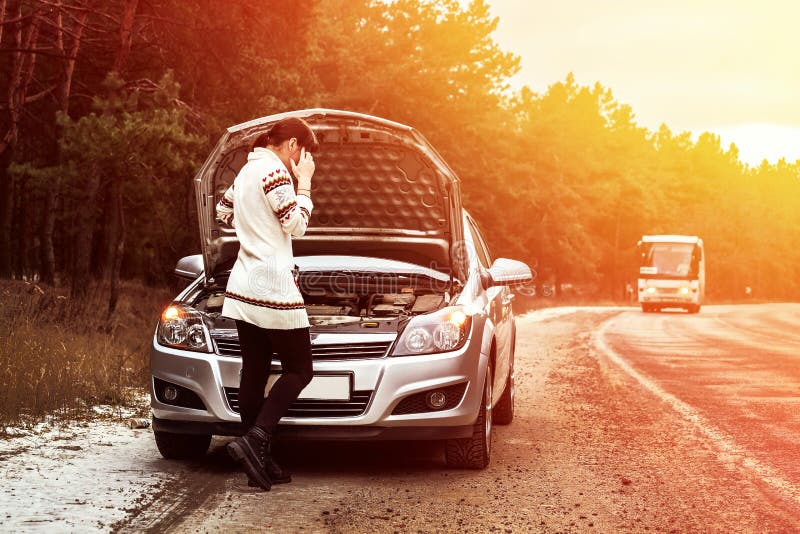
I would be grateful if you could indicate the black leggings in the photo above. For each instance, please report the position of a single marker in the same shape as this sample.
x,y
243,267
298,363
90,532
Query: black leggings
x,y
293,348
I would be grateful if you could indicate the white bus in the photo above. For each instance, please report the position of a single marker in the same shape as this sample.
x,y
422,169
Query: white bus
x,y
672,272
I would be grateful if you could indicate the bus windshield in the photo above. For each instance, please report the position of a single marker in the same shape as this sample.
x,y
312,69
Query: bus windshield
x,y
668,259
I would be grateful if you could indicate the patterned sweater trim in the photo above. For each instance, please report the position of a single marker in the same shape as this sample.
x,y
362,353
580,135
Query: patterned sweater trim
x,y
224,210
274,183
286,210
266,303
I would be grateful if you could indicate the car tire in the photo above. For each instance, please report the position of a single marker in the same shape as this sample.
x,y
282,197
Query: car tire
x,y
694,308
474,452
182,446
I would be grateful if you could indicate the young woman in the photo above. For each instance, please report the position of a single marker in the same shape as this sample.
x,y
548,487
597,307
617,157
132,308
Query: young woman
x,y
261,295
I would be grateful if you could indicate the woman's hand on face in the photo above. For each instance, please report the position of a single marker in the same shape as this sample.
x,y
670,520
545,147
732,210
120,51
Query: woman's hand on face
x,y
303,170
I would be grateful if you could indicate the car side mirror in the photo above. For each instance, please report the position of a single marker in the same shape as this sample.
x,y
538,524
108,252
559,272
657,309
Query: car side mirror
x,y
189,266
506,272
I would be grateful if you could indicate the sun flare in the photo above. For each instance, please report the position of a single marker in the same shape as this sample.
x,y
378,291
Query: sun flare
x,y
759,142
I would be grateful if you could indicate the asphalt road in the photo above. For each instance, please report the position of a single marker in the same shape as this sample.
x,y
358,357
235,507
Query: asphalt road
x,y
625,421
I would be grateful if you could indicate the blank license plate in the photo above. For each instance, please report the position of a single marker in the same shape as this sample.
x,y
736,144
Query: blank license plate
x,y
321,387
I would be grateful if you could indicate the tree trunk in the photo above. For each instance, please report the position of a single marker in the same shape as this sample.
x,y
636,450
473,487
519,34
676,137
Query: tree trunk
x,y
2,17
20,231
7,207
54,191
117,238
110,230
48,256
84,235
27,246
119,250
615,275
23,62
126,35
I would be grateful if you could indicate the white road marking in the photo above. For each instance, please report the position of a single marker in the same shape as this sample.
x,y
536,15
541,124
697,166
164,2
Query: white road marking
x,y
730,451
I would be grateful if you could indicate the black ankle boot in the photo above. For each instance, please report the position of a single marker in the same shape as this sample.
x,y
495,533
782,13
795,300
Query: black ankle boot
x,y
273,471
252,452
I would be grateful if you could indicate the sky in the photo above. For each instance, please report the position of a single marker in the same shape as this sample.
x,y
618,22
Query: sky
x,y
729,67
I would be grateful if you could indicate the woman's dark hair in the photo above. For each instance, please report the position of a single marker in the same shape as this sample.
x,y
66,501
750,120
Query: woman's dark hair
x,y
286,129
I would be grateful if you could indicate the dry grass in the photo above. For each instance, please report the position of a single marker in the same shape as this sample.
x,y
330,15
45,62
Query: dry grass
x,y
59,356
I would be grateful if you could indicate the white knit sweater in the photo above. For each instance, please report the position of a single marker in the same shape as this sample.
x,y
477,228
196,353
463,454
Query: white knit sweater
x,y
261,204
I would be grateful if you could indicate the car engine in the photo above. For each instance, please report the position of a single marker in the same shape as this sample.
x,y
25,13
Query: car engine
x,y
326,307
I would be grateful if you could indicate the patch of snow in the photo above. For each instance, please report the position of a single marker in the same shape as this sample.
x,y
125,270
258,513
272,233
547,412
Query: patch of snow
x,y
78,476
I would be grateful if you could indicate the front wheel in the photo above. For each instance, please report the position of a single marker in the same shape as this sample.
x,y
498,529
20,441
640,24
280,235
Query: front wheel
x,y
694,308
182,446
474,452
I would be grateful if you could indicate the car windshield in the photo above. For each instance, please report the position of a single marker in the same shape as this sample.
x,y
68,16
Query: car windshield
x,y
670,259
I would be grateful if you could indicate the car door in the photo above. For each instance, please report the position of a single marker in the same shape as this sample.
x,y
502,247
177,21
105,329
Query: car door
x,y
499,311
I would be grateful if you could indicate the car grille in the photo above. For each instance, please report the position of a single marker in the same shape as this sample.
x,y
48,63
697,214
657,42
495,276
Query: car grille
x,y
315,408
229,346
668,290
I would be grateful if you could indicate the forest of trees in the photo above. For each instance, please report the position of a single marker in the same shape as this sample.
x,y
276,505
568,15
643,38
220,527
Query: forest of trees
x,y
107,107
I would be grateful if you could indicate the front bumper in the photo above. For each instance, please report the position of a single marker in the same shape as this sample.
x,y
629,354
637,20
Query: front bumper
x,y
669,296
388,380
672,300
319,432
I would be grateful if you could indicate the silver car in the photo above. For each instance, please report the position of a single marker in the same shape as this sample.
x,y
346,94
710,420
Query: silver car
x,y
412,325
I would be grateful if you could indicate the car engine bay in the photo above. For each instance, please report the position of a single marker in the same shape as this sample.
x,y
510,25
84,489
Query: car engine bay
x,y
361,302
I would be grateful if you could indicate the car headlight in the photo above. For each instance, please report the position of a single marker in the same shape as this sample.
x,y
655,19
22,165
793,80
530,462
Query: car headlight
x,y
684,291
441,331
651,290
182,326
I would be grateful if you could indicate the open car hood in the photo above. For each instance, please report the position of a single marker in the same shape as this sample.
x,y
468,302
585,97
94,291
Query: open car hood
x,y
379,189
